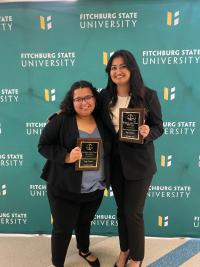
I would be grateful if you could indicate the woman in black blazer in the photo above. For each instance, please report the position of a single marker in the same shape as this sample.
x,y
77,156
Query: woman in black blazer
x,y
74,196
133,165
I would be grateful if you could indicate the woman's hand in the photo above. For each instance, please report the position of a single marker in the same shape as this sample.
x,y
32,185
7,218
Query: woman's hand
x,y
144,130
74,155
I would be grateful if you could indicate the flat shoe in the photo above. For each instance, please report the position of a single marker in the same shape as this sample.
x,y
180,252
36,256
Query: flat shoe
x,y
95,263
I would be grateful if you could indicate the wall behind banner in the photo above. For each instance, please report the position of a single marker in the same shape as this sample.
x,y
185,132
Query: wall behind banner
x,y
45,47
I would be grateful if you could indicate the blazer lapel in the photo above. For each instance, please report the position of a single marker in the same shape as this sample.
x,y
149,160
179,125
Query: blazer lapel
x,y
106,118
71,132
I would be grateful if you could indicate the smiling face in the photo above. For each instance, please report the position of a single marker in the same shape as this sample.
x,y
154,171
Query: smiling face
x,y
119,72
84,101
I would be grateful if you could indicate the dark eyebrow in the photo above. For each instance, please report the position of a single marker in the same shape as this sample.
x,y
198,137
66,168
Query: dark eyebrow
x,y
118,65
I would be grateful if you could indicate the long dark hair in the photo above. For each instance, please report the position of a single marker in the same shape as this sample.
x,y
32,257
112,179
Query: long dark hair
x,y
67,105
136,81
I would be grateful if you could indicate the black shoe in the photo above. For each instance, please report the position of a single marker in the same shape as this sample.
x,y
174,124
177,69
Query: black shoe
x,y
95,263
56,265
125,263
127,259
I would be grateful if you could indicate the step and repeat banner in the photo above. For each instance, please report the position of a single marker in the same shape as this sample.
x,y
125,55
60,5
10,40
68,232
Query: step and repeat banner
x,y
45,47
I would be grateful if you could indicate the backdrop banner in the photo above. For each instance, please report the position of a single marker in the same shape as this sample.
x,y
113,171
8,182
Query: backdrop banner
x,y
45,47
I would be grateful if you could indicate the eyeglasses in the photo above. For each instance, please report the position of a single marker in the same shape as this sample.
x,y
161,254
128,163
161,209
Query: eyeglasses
x,y
120,67
81,99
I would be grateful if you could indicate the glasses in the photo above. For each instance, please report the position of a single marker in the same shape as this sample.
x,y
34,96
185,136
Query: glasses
x,y
120,67
81,99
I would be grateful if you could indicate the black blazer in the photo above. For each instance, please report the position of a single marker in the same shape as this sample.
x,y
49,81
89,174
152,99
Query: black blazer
x,y
138,160
58,138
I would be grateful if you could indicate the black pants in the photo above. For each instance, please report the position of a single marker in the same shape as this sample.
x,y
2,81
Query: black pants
x,y
73,213
130,199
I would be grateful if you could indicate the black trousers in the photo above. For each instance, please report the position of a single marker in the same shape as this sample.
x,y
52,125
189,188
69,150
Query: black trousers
x,y
73,212
130,199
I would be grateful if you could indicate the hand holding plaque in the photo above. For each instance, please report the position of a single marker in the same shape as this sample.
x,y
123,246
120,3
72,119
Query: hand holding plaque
x,y
90,149
129,121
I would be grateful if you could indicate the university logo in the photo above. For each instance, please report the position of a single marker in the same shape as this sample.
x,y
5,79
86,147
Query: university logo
x,y
34,128
173,18
14,218
108,193
45,23
38,190
117,20
6,23
105,220
166,161
170,191
169,93
196,221
49,95
106,57
3,190
163,221
8,95
11,160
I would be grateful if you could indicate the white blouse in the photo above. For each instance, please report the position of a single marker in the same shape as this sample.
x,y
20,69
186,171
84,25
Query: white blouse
x,y
122,102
